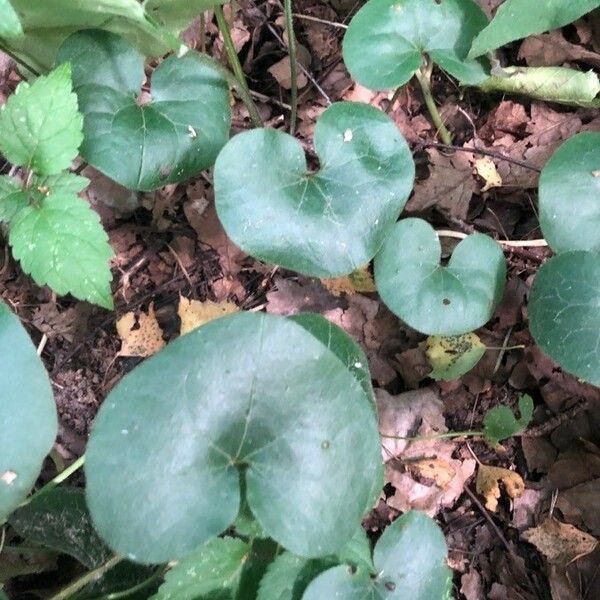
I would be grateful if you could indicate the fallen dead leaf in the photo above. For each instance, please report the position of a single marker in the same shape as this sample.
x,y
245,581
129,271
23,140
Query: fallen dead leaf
x,y
359,280
488,484
560,543
194,313
486,169
282,72
141,336
550,49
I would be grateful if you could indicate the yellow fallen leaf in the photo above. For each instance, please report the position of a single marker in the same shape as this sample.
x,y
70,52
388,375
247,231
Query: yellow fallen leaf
x,y
141,336
486,169
488,484
560,543
194,313
359,280
453,356
439,470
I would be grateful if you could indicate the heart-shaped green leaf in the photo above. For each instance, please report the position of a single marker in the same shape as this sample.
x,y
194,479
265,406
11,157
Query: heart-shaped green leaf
x,y
434,299
387,40
500,422
323,224
59,519
10,26
410,562
173,137
28,421
564,312
249,395
570,195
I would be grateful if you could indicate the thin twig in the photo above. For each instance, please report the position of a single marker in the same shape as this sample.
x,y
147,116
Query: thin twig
x,y
541,243
322,21
393,100
88,578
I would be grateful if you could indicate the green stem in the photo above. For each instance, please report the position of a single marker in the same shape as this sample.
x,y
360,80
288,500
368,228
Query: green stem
x,y
437,436
289,25
236,66
424,78
86,579
140,586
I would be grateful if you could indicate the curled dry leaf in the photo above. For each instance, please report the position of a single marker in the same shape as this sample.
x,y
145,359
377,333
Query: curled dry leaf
x,y
488,484
560,543
194,313
486,169
141,336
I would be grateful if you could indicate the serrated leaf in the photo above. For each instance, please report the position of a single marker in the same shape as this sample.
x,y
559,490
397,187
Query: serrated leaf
x,y
61,243
40,126
387,40
440,300
293,418
10,26
500,422
323,224
517,19
573,171
59,519
12,198
171,138
215,566
453,356
563,312
28,422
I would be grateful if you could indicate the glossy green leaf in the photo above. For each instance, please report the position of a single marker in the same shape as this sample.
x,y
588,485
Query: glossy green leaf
x,y
60,242
10,26
410,562
452,356
450,300
59,519
40,126
569,195
28,422
323,224
173,137
500,422
564,318
552,84
12,198
249,394
517,19
215,566
387,40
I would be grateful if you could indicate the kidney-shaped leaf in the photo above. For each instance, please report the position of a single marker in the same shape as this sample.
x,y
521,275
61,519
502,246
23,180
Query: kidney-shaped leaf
x,y
323,224
410,562
564,314
249,395
387,39
436,299
144,146
570,195
28,421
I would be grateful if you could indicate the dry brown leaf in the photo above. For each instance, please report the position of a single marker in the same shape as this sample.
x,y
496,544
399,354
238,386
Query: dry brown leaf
x,y
141,336
193,313
282,72
560,543
488,484
486,169
550,49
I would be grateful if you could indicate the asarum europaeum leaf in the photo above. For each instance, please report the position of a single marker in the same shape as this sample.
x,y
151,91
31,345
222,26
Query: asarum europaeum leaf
x,y
144,146
435,299
564,312
569,195
410,562
387,39
28,422
327,223
249,395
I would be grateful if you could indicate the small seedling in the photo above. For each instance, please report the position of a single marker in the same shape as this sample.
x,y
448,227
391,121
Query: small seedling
x,y
500,423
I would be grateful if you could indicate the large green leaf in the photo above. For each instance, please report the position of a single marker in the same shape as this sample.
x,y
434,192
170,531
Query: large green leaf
x,y
12,198
10,26
28,421
60,242
59,519
327,223
570,195
410,564
387,40
173,137
517,19
249,395
40,127
564,315
434,299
